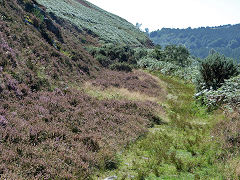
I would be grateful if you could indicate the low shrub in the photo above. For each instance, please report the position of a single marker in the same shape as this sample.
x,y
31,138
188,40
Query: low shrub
x,y
167,68
103,60
228,94
110,53
121,67
139,53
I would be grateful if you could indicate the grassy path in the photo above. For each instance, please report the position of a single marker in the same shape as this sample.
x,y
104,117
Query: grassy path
x,y
182,148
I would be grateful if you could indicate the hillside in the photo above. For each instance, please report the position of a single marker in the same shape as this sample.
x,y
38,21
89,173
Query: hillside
x,y
81,89
106,26
52,125
224,39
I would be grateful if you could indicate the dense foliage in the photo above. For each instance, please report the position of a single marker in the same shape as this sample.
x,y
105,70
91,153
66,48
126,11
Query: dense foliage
x,y
174,54
109,54
223,39
172,60
215,69
122,66
228,95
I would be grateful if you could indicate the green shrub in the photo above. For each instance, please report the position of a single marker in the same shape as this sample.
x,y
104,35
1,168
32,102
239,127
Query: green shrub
x,y
177,54
121,67
188,73
103,60
214,70
228,94
139,53
110,53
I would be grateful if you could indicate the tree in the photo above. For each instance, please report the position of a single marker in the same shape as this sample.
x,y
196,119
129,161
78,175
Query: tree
x,y
147,31
138,25
177,54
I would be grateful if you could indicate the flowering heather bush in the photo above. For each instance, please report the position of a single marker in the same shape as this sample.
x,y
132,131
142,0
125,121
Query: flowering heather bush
x,y
136,81
8,55
27,56
3,121
63,134
47,130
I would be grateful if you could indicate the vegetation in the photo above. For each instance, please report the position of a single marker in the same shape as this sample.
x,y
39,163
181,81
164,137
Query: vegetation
x,y
97,22
174,54
49,127
121,67
227,95
110,54
73,97
215,69
200,41
184,146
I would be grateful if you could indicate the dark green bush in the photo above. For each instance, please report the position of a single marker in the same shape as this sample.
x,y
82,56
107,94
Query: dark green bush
x,y
103,60
215,69
121,67
177,54
139,53
110,53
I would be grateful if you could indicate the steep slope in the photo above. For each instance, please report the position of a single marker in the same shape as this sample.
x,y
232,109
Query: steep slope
x,y
51,126
86,16
224,39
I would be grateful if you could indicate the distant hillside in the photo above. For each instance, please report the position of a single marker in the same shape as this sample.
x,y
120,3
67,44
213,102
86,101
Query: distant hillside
x,y
224,39
86,16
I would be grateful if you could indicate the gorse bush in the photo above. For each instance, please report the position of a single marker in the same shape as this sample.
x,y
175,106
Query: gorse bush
x,y
214,70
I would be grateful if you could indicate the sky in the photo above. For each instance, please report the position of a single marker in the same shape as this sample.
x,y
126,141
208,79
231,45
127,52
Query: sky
x,y
156,14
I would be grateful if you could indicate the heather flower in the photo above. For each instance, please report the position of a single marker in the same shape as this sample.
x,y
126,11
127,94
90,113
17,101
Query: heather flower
x,y
3,121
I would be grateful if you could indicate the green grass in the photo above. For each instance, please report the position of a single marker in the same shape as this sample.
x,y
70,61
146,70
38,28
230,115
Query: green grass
x,y
181,149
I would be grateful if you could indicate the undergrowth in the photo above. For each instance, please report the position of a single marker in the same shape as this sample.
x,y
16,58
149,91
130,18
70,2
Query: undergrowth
x,y
183,148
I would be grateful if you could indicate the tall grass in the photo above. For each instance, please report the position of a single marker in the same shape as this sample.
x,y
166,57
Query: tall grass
x,y
182,148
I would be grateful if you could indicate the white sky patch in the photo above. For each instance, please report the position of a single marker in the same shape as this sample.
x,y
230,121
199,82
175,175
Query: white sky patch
x,y
156,14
